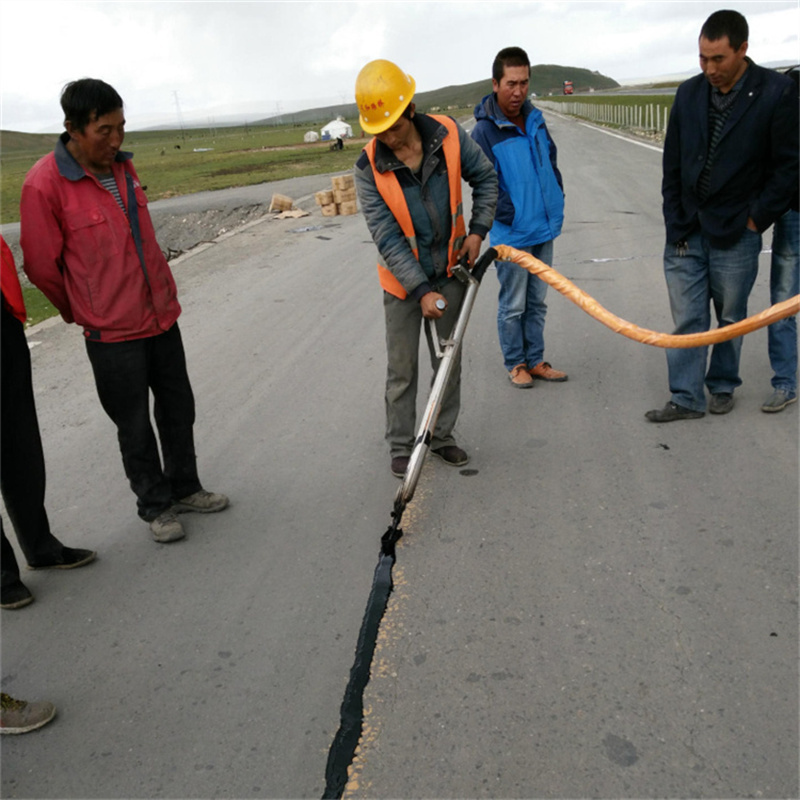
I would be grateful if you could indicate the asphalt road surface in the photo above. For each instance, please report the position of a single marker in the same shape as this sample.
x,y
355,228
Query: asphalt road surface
x,y
600,607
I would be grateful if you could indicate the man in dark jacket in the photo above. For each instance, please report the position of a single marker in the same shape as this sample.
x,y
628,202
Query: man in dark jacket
x,y
22,470
89,245
784,282
730,170
530,211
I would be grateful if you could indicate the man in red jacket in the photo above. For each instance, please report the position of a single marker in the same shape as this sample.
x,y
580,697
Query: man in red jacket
x,y
89,245
22,472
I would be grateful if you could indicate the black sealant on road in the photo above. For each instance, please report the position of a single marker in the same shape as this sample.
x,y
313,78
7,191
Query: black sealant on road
x,y
344,745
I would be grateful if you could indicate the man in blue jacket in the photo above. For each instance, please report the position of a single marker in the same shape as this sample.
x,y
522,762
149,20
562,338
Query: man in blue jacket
x,y
730,170
530,211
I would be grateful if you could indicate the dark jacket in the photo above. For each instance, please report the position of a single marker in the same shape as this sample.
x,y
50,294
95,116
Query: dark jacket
x,y
530,205
755,171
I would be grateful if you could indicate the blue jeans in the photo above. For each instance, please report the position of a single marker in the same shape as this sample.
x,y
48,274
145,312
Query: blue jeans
x,y
703,276
784,282
521,309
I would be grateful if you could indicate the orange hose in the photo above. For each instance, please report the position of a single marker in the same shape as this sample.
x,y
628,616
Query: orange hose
x,y
584,301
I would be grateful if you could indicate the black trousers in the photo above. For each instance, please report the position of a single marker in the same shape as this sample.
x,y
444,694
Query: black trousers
x,y
125,373
22,471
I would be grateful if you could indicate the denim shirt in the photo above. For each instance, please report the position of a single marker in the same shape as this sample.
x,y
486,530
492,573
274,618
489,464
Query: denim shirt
x,y
427,194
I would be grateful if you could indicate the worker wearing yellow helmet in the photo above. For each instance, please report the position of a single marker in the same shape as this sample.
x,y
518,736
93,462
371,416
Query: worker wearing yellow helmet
x,y
409,183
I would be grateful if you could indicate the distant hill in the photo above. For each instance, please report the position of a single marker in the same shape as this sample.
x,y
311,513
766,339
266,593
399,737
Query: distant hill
x,y
13,142
545,79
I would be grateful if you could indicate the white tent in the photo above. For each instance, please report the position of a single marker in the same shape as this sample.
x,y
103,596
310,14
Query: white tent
x,y
311,136
337,129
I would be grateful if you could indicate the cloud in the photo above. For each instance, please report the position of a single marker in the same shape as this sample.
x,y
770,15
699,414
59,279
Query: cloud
x,y
202,57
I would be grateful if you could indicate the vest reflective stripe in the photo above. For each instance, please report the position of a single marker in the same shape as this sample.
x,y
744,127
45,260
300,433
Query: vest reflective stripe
x,y
392,193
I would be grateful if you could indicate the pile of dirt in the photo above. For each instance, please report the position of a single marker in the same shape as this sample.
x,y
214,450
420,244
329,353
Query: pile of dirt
x,y
179,233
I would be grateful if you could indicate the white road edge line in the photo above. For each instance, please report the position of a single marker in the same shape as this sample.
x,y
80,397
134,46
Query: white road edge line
x,y
624,138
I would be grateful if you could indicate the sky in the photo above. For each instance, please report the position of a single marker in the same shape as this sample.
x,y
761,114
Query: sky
x,y
189,61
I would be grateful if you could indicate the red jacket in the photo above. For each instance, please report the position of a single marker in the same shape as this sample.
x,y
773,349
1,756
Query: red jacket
x,y
9,283
100,268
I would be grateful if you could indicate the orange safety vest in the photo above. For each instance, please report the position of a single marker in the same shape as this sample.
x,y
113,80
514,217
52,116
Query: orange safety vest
x,y
392,193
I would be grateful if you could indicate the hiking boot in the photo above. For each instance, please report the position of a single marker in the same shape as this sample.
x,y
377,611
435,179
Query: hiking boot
x,y
68,558
544,372
672,412
400,465
203,502
19,716
452,455
166,527
721,403
778,400
520,377
16,595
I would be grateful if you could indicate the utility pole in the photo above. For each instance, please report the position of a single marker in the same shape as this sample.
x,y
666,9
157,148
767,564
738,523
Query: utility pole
x,y
180,118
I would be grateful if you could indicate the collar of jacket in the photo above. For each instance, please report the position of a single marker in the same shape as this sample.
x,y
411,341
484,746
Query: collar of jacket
x,y
492,110
69,167
432,134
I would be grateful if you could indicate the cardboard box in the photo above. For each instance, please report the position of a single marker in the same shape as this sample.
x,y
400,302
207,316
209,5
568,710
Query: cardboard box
x,y
280,202
329,210
343,182
345,209
344,196
324,198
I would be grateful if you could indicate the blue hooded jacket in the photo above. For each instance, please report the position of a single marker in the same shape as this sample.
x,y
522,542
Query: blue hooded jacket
x,y
530,206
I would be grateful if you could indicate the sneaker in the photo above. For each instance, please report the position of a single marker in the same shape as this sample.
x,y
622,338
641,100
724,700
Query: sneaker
x,y
19,716
167,527
68,558
452,455
203,502
778,400
672,412
544,372
16,595
400,465
721,403
520,377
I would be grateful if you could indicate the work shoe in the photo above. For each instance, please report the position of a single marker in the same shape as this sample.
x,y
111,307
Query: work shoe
x,y
520,377
721,403
400,465
452,455
16,595
68,558
166,527
544,372
19,716
204,502
672,412
778,400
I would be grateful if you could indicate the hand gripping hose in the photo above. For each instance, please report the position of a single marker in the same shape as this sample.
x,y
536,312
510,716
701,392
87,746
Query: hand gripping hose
x,y
787,308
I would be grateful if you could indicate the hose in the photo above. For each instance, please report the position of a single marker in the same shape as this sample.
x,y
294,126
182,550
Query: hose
x,y
779,311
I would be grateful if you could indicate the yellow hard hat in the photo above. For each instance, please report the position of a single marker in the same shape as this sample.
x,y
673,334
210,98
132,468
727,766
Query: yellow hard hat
x,y
383,91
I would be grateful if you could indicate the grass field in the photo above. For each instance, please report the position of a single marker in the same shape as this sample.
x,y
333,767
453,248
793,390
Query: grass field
x,y
663,100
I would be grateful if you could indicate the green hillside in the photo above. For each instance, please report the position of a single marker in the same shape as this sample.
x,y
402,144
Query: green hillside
x,y
545,79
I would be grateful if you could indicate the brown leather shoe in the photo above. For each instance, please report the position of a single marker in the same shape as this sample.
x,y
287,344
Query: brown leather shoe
x,y
520,377
544,372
